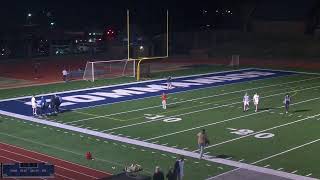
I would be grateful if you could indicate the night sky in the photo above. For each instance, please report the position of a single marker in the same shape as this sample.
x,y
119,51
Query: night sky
x,y
81,14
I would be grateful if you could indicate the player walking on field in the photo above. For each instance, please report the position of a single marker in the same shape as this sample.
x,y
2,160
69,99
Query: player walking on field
x,y
34,105
202,141
287,100
256,99
169,83
164,100
245,102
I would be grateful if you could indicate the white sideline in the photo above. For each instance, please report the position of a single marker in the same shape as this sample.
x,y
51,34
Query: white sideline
x,y
190,100
157,147
114,85
300,72
191,112
184,90
226,120
222,174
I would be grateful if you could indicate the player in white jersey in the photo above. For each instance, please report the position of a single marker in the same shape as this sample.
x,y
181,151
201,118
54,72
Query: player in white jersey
x,y
256,99
246,101
34,105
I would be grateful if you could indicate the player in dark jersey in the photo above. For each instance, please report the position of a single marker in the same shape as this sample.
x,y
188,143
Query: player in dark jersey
x,y
287,100
169,83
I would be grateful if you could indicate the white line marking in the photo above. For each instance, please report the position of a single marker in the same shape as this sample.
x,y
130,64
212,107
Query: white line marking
x,y
222,174
267,165
197,111
279,169
293,172
286,151
219,122
190,100
258,132
156,147
309,174
232,129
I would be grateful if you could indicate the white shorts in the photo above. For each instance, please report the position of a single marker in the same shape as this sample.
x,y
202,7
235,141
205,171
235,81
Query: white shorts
x,y
164,102
246,103
34,106
256,102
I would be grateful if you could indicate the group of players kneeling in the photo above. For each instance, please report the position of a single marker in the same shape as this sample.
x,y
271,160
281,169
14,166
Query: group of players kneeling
x,y
44,107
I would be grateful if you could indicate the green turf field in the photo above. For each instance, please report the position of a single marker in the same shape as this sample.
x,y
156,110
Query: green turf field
x,y
267,138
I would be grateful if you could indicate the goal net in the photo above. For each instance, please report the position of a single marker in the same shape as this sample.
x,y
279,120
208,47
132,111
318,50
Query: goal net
x,y
234,61
109,69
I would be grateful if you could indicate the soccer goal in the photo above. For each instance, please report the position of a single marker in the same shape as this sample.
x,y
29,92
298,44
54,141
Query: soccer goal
x,y
109,69
234,61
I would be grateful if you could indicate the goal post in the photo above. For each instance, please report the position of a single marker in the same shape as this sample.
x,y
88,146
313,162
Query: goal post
x,y
235,62
109,69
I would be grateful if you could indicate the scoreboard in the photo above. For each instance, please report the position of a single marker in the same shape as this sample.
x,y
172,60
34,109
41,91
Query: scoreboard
x,y
27,170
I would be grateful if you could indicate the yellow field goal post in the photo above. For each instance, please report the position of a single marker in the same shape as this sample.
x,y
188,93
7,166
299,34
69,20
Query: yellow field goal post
x,y
140,60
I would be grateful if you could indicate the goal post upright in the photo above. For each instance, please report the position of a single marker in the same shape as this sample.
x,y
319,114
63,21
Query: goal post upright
x,y
167,33
160,57
92,70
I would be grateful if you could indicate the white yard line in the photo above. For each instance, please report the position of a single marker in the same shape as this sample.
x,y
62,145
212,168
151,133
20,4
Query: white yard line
x,y
258,132
155,146
300,72
286,151
218,122
222,174
201,110
190,100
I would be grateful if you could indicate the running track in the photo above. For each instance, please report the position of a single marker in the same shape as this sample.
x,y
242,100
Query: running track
x,y
63,169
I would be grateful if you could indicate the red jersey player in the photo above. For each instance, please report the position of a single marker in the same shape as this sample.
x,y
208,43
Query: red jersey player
x,y
164,100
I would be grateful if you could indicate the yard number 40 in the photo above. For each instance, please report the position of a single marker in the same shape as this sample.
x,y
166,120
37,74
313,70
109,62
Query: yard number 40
x,y
162,117
244,132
